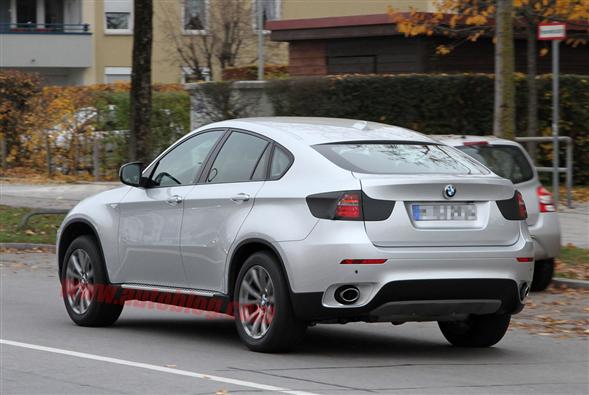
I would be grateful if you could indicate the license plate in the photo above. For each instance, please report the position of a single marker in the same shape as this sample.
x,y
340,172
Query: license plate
x,y
444,212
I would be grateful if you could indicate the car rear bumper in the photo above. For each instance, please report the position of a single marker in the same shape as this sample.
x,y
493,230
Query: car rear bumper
x,y
546,235
410,274
419,300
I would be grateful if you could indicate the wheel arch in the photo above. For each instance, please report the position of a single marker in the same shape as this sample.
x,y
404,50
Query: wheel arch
x,y
242,251
73,229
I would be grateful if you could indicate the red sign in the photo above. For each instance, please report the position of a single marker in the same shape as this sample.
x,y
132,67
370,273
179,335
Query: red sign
x,y
552,31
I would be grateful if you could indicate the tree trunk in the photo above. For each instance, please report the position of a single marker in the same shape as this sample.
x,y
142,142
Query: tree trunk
x,y
48,154
140,95
3,151
532,66
504,114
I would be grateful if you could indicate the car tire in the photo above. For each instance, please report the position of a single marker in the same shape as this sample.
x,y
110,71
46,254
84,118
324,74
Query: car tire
x,y
476,331
89,298
543,272
278,330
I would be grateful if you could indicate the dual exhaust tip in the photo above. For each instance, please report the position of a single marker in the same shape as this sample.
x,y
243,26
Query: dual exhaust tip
x,y
347,294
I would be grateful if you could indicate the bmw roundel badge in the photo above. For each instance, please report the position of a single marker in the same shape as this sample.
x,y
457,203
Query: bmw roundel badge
x,y
449,191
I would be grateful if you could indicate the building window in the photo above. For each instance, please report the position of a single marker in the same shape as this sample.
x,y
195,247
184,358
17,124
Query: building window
x,y
117,20
189,75
118,16
117,74
195,16
270,11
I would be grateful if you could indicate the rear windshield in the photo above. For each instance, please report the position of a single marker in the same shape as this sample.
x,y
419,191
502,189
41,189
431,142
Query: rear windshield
x,y
506,161
399,158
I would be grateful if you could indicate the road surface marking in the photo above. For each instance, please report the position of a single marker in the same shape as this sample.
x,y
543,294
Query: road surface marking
x,y
156,368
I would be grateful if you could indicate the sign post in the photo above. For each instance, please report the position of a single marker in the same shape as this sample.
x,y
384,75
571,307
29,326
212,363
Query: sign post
x,y
555,32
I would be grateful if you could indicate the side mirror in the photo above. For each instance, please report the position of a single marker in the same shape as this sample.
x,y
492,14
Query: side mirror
x,y
130,174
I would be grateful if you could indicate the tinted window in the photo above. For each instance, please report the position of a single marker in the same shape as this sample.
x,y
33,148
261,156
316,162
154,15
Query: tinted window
x,y
280,163
506,161
237,159
395,158
261,169
181,165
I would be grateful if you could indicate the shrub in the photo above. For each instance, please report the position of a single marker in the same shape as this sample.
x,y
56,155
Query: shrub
x,y
438,104
248,73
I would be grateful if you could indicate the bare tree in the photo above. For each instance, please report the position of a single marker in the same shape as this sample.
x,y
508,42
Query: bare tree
x,y
504,114
141,80
217,37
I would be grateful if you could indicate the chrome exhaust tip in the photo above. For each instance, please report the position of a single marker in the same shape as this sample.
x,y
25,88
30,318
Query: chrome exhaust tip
x,y
524,290
347,294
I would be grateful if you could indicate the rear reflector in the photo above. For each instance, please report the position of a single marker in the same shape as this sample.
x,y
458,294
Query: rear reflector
x,y
363,261
545,199
525,259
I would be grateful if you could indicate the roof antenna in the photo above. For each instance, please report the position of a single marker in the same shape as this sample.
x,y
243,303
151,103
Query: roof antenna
x,y
360,125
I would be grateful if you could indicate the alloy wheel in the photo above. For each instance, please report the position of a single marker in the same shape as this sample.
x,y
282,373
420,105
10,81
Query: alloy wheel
x,y
256,302
79,281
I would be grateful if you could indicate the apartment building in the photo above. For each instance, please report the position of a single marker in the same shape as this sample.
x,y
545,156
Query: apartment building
x,y
90,41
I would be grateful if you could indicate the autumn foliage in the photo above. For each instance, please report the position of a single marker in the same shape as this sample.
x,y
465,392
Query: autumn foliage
x,y
63,132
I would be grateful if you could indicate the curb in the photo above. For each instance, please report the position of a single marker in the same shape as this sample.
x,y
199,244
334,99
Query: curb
x,y
581,284
28,246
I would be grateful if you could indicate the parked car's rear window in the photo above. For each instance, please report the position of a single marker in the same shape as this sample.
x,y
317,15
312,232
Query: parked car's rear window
x,y
399,158
506,161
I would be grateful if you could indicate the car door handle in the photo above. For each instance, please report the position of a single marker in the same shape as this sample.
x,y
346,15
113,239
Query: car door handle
x,y
174,200
241,197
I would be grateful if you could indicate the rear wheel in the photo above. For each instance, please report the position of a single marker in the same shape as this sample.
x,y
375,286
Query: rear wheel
x,y
89,299
476,331
543,272
264,318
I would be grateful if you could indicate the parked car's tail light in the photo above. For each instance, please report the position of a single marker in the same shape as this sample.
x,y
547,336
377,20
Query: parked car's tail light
x,y
545,199
349,206
513,209
363,261
525,259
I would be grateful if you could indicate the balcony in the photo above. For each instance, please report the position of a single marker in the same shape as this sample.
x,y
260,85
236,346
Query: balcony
x,y
45,45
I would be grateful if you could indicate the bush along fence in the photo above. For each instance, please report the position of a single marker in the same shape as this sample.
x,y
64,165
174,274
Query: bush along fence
x,y
81,131
428,103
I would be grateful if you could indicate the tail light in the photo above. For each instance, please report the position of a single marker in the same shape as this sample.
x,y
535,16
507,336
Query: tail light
x,y
363,261
513,209
521,205
349,206
545,199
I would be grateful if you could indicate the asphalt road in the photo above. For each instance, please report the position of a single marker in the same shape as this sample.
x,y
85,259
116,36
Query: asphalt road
x,y
155,351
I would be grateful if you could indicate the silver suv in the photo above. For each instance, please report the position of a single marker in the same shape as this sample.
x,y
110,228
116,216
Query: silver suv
x,y
288,222
509,159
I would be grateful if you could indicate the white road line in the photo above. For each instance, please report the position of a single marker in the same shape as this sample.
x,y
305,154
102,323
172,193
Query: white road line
x,y
156,368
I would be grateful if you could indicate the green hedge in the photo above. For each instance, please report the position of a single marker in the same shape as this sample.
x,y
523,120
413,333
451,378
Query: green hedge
x,y
458,104
170,120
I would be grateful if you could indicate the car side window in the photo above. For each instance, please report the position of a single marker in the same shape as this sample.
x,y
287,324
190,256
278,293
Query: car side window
x,y
261,171
281,161
181,165
237,159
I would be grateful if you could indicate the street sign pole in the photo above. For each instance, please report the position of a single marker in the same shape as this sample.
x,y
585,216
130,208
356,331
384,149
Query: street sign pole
x,y
555,114
555,32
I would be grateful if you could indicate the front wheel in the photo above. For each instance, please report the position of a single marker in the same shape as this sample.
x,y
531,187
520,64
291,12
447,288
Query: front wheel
x,y
89,298
476,331
264,317
543,272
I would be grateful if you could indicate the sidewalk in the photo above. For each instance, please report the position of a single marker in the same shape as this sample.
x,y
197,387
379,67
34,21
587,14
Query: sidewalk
x,y
574,224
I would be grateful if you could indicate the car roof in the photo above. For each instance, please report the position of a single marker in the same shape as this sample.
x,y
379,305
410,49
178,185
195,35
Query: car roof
x,y
458,139
315,130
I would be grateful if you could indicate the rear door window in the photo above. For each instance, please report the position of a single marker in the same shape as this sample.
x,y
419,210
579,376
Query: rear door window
x,y
281,161
237,159
399,158
507,161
